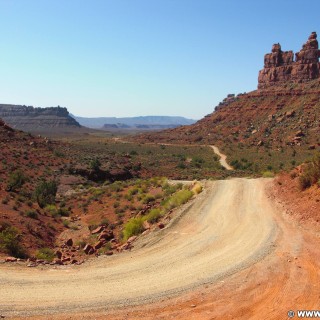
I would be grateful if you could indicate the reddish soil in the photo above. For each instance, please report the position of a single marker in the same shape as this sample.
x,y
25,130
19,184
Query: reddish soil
x,y
304,206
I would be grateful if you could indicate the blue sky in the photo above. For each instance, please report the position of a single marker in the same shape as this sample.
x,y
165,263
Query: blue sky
x,y
142,57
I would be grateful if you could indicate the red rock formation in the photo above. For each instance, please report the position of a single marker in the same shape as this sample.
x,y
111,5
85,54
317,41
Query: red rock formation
x,y
279,66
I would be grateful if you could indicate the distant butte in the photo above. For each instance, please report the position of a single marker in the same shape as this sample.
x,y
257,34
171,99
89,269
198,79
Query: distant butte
x,y
280,67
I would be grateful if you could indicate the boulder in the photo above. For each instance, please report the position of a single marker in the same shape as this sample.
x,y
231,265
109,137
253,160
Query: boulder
x,y
131,239
66,259
98,245
146,225
10,259
160,225
57,261
69,242
88,249
106,235
58,253
97,230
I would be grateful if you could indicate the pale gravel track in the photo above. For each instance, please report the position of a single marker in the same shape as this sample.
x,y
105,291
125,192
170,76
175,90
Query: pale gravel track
x,y
223,158
225,229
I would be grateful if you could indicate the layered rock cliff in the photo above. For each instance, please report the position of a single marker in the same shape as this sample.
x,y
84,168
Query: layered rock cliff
x,y
283,66
30,118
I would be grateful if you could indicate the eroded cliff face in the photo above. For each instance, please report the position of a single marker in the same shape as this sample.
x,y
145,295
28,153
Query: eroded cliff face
x,y
30,118
281,67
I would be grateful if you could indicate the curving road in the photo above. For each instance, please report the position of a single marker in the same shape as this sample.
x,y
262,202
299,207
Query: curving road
x,y
223,158
225,229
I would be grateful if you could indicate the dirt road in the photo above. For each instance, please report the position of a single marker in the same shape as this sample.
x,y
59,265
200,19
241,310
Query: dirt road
x,y
227,228
223,158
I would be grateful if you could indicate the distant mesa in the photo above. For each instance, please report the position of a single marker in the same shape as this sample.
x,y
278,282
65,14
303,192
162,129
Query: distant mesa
x,y
115,126
282,66
28,118
147,123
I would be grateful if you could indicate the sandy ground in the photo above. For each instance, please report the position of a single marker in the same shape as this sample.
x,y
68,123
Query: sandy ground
x,y
223,158
225,230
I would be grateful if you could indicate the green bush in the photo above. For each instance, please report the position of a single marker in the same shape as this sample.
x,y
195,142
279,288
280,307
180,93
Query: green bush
x,y
149,198
32,214
311,173
178,199
133,191
267,174
132,228
63,212
45,193
95,164
153,215
45,254
9,241
16,180
66,223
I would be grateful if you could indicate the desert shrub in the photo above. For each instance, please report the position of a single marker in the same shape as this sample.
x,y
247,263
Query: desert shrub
x,y
197,161
128,197
16,180
169,189
45,254
149,198
63,212
52,209
45,193
133,227
107,247
116,187
92,226
197,188
181,165
153,215
158,195
66,223
177,199
10,243
267,174
311,173
31,214
81,243
95,164
29,203
104,222
58,154
5,200
133,191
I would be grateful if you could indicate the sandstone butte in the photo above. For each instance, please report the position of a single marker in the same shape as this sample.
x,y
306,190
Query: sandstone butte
x,y
286,103
283,66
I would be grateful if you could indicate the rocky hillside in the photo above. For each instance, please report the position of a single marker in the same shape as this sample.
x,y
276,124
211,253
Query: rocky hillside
x,y
25,161
36,173
36,119
283,113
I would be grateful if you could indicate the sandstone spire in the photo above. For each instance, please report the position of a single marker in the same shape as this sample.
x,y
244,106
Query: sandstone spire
x,y
279,66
